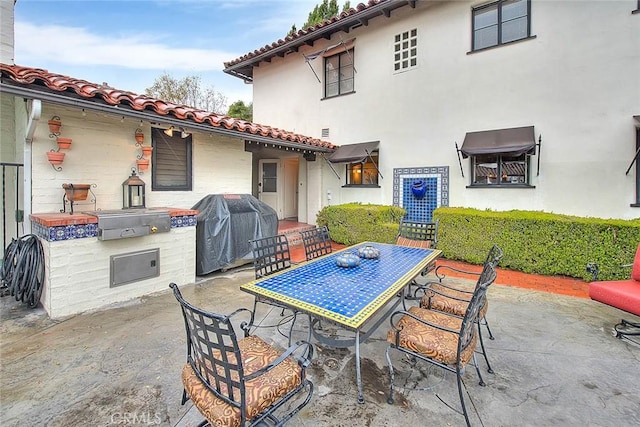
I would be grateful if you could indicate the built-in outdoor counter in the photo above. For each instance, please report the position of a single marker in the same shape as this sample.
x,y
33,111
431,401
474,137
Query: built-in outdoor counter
x,y
89,267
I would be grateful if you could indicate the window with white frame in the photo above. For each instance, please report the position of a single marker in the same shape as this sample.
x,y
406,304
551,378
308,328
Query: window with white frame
x,y
500,22
405,50
339,74
363,173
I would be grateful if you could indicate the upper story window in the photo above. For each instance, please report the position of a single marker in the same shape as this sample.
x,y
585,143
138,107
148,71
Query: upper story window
x,y
365,172
338,74
405,50
500,22
171,161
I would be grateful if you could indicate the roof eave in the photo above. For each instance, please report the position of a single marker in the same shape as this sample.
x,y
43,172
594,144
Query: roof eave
x,y
64,98
344,24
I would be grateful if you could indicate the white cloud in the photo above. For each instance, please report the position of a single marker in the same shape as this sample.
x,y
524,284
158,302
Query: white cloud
x,y
78,46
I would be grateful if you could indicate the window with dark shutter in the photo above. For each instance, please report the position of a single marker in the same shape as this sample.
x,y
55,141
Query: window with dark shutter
x,y
171,161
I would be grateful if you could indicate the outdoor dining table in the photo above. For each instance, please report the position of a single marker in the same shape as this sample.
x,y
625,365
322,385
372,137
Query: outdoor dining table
x,y
348,297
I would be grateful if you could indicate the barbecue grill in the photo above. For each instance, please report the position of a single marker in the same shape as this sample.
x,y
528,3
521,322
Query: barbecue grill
x,y
125,223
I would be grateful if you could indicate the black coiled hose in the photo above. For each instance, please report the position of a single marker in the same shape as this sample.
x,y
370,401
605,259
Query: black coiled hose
x,y
22,271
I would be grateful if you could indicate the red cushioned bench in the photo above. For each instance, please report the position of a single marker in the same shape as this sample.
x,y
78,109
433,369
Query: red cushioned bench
x,y
624,295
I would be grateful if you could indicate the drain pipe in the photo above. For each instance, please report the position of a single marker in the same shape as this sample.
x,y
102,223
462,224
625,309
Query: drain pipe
x,y
34,116
34,107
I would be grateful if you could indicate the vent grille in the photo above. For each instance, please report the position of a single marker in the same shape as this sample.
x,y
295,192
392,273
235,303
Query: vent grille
x,y
325,133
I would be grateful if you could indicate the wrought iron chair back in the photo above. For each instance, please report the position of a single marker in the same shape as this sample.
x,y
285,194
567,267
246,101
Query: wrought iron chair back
x,y
213,352
418,231
316,242
494,256
270,255
226,367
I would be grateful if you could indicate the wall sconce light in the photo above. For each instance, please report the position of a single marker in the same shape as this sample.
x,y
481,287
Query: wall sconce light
x,y
183,133
168,132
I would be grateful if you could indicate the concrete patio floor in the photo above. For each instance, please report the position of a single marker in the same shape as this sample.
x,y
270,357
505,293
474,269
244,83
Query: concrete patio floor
x,y
555,361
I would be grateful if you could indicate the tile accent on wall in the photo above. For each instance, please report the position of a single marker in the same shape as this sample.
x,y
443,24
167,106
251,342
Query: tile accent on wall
x,y
71,232
421,209
184,221
65,232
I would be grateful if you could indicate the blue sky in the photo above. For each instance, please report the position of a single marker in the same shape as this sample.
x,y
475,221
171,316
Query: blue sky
x,y
129,43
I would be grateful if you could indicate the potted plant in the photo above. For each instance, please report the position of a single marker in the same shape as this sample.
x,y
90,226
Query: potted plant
x,y
76,192
55,157
146,151
139,136
143,164
64,143
55,124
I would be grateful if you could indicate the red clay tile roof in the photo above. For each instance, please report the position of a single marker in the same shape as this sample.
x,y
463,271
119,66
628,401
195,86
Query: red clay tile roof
x,y
39,79
242,67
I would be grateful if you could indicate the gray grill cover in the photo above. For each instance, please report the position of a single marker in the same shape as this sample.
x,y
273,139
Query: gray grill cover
x,y
226,223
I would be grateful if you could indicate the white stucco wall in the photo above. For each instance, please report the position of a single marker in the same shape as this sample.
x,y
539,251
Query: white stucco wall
x,y
576,82
103,152
78,271
6,31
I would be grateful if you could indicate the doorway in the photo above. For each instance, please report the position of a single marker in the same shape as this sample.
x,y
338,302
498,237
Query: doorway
x,y
278,185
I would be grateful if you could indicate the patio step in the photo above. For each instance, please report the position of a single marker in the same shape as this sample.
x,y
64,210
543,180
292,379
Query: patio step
x,y
293,234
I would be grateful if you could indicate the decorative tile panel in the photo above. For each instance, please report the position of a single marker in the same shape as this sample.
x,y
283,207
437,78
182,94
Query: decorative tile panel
x,y
184,221
437,182
80,231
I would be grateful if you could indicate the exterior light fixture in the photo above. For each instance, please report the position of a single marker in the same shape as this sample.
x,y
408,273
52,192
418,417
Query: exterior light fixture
x,y
133,192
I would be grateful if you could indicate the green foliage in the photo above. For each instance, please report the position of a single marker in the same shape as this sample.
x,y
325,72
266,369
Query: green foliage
x,y
354,222
539,242
325,10
241,111
187,91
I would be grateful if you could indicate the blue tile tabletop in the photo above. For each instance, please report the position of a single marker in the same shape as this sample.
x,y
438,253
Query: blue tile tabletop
x,y
348,296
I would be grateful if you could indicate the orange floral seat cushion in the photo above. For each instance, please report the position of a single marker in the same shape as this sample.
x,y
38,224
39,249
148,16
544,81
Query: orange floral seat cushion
x,y
403,241
437,301
429,341
261,392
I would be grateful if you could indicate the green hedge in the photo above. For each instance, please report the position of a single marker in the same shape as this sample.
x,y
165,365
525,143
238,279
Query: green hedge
x,y
538,242
354,222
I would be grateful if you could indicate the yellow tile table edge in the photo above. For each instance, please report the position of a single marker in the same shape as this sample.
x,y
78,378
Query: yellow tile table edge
x,y
360,317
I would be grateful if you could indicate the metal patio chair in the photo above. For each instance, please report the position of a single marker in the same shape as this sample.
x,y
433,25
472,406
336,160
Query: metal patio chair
x,y
239,381
415,234
270,255
316,242
440,339
452,299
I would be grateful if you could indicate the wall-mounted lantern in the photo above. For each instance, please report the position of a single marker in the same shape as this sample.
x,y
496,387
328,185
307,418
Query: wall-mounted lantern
x,y
133,192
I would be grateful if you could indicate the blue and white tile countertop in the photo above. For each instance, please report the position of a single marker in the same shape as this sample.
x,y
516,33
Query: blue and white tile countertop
x,y
63,226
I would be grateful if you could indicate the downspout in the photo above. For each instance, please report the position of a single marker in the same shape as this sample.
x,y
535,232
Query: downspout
x,y
34,107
